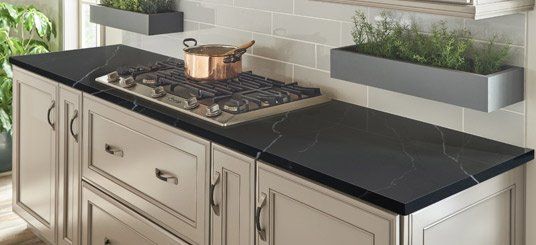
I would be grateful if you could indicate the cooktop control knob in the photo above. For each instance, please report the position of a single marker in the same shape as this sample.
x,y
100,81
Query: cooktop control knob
x,y
112,77
158,92
127,82
191,103
213,110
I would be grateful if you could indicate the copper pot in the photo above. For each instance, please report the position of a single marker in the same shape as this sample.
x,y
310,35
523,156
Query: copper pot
x,y
213,62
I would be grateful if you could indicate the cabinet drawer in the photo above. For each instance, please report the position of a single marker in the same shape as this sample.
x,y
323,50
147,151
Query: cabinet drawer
x,y
160,171
135,160
106,221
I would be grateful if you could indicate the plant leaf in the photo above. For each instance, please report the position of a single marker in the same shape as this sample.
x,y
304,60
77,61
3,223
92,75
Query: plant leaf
x,y
6,67
8,14
5,120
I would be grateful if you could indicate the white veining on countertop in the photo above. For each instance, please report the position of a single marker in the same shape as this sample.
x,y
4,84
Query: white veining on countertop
x,y
317,135
454,159
99,67
279,135
413,167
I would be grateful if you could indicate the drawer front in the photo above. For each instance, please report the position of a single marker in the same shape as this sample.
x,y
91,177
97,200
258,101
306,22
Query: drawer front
x,y
106,221
159,171
134,159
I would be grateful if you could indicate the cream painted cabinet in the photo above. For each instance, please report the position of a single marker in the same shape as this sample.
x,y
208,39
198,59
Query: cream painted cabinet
x,y
70,104
35,154
232,194
108,222
491,213
292,211
473,9
157,170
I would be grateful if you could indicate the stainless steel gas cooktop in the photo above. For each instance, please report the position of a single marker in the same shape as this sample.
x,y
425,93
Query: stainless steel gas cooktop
x,y
225,103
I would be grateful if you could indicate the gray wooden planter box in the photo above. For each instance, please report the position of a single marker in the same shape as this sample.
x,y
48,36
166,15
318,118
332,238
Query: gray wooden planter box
x,y
480,92
148,24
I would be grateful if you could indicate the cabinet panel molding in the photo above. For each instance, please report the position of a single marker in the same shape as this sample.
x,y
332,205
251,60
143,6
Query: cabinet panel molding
x,y
489,213
291,210
35,140
70,147
135,180
233,185
106,221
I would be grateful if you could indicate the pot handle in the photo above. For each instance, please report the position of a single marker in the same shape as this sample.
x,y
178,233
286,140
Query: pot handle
x,y
187,40
235,57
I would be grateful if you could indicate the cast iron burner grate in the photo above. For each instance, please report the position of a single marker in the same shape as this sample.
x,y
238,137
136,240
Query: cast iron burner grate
x,y
243,94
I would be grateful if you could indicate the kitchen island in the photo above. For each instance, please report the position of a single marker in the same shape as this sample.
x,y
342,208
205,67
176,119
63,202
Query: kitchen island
x,y
411,175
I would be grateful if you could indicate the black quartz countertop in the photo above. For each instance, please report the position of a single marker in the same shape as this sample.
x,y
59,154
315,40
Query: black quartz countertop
x,y
393,162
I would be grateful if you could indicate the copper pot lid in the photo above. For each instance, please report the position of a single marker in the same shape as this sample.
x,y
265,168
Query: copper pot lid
x,y
212,50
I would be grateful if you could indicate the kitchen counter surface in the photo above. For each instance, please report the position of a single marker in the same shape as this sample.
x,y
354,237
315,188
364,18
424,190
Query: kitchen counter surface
x,y
396,163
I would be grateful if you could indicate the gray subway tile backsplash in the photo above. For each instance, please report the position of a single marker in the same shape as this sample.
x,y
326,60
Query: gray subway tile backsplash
x,y
294,38
325,10
284,6
285,50
307,29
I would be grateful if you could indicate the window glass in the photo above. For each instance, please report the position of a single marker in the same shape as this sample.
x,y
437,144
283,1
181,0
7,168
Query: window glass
x,y
89,32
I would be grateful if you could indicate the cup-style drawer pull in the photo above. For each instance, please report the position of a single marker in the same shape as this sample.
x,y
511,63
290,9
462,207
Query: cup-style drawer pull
x,y
113,150
260,230
167,177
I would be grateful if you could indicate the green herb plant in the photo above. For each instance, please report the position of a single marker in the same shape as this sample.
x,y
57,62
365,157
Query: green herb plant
x,y
23,30
454,49
142,6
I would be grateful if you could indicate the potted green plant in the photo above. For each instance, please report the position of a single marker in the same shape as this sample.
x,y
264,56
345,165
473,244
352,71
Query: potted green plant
x,y
23,30
149,17
442,64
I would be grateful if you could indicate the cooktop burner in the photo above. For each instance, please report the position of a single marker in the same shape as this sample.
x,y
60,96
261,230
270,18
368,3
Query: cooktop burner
x,y
228,102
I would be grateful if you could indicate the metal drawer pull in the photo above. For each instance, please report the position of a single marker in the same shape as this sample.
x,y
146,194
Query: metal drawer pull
x,y
112,150
75,136
213,204
260,230
52,105
107,241
166,176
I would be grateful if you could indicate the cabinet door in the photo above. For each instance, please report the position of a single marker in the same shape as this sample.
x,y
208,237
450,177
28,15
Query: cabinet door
x,y
106,221
489,213
35,158
69,165
232,198
292,211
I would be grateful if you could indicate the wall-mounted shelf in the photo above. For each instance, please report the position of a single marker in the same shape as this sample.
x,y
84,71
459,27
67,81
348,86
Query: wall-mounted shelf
x,y
148,24
479,92
472,9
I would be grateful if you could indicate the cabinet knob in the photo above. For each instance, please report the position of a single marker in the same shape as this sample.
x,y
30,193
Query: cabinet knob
x,y
107,241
